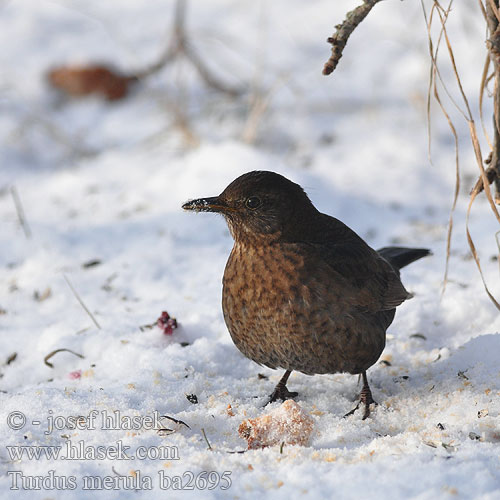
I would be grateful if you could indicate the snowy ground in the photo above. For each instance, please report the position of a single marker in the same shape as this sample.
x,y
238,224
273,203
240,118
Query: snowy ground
x,y
106,181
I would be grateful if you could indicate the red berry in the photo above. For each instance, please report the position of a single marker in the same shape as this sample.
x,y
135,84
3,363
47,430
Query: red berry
x,y
166,323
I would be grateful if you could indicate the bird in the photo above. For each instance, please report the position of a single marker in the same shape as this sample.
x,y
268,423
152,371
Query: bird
x,y
301,291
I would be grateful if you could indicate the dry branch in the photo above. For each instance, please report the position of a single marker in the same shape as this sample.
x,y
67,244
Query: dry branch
x,y
491,176
85,308
343,31
493,44
180,46
50,365
20,212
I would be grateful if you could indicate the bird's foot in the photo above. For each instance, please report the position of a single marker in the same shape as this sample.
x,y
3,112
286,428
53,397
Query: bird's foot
x,y
366,399
282,393
366,414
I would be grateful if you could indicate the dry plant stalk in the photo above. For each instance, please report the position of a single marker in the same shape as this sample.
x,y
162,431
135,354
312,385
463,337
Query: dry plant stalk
x,y
484,184
434,76
63,349
493,43
20,212
179,45
77,296
259,105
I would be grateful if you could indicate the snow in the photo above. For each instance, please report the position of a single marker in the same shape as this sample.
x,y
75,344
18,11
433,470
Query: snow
x,y
106,181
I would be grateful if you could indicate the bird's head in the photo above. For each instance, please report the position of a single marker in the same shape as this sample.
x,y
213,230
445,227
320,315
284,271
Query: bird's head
x,y
259,205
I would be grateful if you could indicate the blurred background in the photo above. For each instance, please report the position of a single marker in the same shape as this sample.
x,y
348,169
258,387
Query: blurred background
x,y
248,72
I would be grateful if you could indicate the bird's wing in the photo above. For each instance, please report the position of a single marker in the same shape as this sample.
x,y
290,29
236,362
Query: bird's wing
x,y
367,281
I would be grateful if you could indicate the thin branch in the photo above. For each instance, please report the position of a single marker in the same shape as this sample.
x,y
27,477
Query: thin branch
x,y
491,175
179,45
50,365
497,237
20,212
205,436
493,44
494,9
75,293
343,31
483,86
175,45
259,104
210,79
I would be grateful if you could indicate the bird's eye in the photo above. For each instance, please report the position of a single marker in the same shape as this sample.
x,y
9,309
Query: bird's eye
x,y
253,202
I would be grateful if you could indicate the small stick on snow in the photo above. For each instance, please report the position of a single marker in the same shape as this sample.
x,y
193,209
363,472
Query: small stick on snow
x,y
50,365
497,237
175,420
75,293
20,212
205,436
116,472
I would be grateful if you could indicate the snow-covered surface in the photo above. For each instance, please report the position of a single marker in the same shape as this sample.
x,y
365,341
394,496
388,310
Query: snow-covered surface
x,y
106,181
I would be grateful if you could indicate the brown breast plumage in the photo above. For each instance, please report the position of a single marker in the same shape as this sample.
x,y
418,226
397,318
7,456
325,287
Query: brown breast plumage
x,y
285,308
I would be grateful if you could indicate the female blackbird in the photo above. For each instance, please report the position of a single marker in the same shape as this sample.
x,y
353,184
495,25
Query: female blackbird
x,y
302,291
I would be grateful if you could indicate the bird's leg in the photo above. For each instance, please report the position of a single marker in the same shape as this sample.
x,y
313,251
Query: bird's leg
x,y
280,391
365,397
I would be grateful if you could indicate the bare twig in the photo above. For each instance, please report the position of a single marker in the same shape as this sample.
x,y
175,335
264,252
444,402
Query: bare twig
x,y
75,293
13,357
116,472
484,83
174,47
343,31
493,44
491,175
259,104
49,364
205,436
181,123
180,45
176,421
497,238
492,10
20,212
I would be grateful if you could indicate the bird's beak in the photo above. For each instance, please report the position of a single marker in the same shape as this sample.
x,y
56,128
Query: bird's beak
x,y
214,204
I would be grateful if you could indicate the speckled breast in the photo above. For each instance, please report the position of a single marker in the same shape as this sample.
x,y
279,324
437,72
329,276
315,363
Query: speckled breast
x,y
282,312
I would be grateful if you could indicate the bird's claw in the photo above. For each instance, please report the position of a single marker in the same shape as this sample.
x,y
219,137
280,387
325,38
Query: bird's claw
x,y
282,393
366,413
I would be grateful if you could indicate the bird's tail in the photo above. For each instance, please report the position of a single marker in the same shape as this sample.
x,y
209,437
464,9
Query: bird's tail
x,y
400,257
